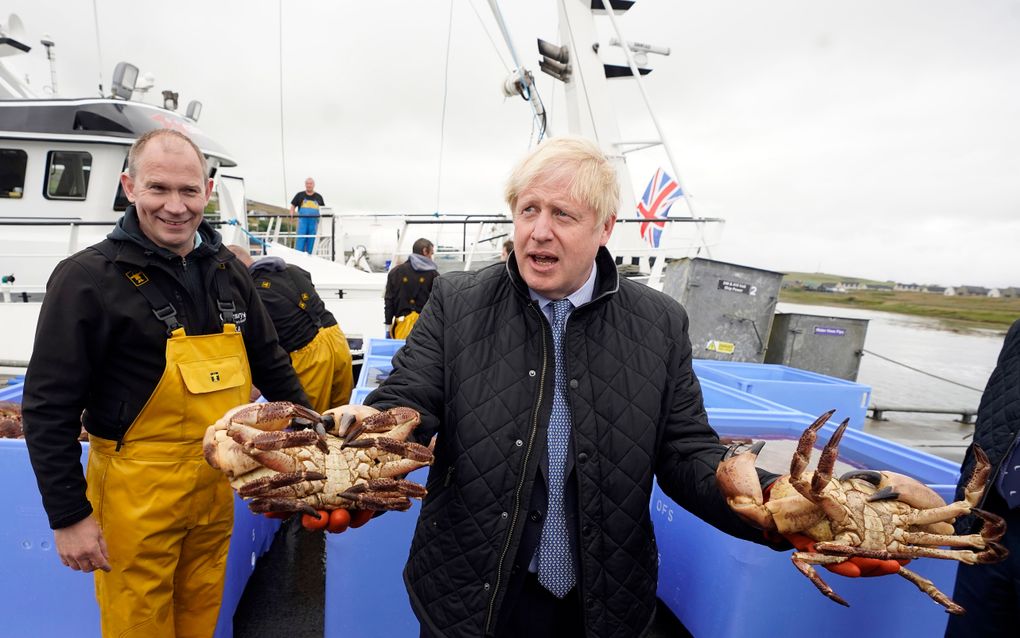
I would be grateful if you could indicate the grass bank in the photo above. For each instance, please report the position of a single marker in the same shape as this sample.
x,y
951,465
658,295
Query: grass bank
x,y
955,312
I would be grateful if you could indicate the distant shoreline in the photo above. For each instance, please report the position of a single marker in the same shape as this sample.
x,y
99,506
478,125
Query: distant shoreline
x,y
954,312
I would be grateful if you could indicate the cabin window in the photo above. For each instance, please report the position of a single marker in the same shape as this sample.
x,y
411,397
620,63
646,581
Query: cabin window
x,y
12,172
120,200
67,174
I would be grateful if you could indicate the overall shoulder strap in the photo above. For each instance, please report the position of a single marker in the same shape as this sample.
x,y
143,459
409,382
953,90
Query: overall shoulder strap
x,y
302,297
224,298
161,307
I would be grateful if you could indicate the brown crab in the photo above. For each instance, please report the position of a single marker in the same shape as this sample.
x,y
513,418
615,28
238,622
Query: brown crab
x,y
881,515
10,421
280,470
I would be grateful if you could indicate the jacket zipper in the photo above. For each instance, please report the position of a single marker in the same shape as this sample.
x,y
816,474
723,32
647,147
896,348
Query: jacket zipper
x,y
523,476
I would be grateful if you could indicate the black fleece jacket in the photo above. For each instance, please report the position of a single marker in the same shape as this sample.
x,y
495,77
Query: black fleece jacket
x,y
99,350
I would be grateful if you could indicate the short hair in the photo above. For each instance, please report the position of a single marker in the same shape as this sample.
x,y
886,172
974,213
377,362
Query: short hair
x,y
141,142
508,246
593,178
421,245
243,254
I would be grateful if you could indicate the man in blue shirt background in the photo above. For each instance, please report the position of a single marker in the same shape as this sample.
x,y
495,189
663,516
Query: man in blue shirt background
x,y
307,204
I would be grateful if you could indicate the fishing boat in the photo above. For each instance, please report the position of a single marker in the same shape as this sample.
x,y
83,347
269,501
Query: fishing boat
x,y
63,195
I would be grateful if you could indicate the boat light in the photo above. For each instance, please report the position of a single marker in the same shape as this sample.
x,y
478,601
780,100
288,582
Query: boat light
x,y
170,100
194,110
125,75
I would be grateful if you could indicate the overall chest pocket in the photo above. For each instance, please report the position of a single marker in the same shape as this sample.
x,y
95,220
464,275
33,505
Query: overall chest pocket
x,y
212,375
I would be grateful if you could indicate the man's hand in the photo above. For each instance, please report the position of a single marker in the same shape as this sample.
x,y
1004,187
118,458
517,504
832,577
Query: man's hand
x,y
81,546
852,567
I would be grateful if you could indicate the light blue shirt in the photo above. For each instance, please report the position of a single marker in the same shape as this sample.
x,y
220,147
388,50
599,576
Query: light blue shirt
x,y
577,298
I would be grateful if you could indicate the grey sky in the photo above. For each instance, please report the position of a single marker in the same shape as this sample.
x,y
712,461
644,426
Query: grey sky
x,y
869,138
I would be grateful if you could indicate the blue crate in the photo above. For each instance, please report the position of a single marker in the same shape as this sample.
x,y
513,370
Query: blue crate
x,y
383,347
33,577
701,566
373,370
364,575
802,390
12,392
358,395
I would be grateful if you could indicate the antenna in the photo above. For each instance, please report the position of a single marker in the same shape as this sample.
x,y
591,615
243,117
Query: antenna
x,y
47,42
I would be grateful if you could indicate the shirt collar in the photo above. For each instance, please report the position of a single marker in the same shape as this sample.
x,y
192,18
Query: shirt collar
x,y
577,298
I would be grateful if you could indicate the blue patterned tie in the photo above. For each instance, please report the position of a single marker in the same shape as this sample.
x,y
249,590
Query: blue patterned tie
x,y
555,562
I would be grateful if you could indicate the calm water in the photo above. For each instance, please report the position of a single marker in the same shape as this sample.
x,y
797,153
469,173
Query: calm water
x,y
965,357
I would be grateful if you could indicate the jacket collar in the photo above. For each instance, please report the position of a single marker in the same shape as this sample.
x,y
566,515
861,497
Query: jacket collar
x,y
607,278
128,232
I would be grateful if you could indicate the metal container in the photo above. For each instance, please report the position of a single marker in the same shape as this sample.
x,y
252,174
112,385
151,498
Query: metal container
x,y
730,306
827,345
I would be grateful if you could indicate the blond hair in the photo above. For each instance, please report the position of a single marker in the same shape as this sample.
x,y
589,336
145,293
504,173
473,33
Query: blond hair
x,y
592,177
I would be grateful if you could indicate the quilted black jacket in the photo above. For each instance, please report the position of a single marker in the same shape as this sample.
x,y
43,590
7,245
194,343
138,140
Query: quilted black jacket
x,y
998,419
479,367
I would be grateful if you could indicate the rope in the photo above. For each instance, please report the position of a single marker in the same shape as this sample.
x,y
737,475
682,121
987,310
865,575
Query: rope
x,y
442,121
495,49
934,376
99,49
283,143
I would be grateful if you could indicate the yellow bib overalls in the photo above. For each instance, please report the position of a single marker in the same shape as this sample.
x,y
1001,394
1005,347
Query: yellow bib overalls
x,y
402,325
324,369
165,513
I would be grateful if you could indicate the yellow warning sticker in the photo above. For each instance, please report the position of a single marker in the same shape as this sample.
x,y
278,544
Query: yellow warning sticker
x,y
722,347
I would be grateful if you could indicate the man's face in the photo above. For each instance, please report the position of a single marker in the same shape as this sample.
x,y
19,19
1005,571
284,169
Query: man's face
x,y
309,185
556,237
169,192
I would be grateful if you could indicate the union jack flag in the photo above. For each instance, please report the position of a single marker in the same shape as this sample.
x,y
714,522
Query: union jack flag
x,y
660,194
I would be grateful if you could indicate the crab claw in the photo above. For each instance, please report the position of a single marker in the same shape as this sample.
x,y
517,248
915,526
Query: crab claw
x,y
738,481
338,421
394,423
275,415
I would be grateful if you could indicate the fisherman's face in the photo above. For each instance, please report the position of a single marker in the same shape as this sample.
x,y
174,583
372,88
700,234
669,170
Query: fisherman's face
x,y
309,185
169,192
556,237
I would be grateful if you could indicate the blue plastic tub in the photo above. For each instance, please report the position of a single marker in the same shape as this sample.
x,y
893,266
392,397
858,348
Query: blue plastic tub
x,y
802,390
364,576
764,594
32,578
12,392
374,370
359,394
383,347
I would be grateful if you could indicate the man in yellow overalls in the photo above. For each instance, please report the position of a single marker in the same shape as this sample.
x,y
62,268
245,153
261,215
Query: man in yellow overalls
x,y
145,339
318,348
408,287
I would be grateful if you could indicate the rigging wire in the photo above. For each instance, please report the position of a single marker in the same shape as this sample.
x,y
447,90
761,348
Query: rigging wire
x,y
506,67
935,376
442,121
99,49
283,141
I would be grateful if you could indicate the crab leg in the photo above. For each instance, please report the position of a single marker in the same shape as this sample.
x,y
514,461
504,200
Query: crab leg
x,y
271,485
929,588
802,560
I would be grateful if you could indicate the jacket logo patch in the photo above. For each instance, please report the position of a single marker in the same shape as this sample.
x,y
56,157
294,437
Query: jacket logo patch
x,y
137,277
214,376
264,284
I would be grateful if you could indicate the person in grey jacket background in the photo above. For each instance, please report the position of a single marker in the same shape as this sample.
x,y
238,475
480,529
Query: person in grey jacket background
x,y
559,392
